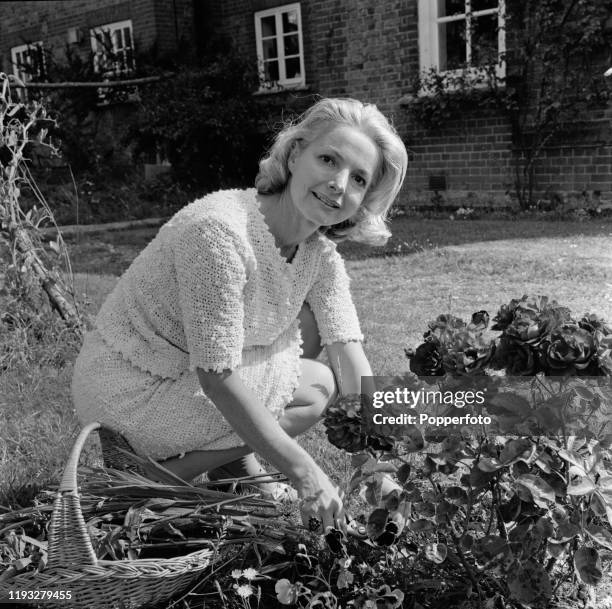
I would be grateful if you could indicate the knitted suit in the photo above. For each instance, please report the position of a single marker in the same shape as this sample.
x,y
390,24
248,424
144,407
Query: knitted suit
x,y
210,291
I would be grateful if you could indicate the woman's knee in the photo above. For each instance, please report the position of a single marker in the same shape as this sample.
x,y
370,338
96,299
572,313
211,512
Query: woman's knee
x,y
311,339
317,384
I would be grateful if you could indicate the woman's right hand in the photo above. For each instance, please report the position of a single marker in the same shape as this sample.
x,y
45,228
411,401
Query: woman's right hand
x,y
320,499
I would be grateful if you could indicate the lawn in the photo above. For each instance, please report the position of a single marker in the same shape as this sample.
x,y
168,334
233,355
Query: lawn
x,y
457,267
444,266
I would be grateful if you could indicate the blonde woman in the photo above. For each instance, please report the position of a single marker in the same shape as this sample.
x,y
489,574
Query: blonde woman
x,y
204,352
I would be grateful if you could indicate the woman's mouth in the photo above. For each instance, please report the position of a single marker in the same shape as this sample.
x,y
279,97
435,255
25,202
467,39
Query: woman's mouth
x,y
328,202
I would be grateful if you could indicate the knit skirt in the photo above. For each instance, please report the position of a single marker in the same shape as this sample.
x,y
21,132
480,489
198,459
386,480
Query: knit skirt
x,y
165,417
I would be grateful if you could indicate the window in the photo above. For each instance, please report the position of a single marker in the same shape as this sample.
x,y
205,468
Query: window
x,y
113,57
459,34
113,49
280,53
28,64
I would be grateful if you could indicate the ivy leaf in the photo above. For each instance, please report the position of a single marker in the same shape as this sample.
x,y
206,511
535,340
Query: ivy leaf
x,y
529,581
479,479
377,521
584,393
421,525
604,486
373,466
403,473
509,403
489,464
456,493
588,566
581,486
601,535
541,492
573,458
436,552
544,526
517,450
412,439
358,459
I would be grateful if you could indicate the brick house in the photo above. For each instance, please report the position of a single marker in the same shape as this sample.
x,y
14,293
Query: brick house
x,y
368,49
372,50
90,27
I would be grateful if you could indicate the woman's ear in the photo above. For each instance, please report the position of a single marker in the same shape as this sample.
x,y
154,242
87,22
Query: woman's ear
x,y
293,154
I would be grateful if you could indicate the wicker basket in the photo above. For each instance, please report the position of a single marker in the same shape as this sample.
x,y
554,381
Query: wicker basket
x,y
73,568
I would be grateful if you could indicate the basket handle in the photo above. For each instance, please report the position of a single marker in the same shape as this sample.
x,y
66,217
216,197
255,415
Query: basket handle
x,y
69,541
69,479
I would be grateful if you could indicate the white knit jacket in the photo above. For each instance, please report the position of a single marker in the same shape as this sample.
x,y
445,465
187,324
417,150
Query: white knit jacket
x,y
212,289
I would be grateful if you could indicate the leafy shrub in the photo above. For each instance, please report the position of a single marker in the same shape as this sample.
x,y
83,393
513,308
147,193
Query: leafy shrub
x,y
205,121
513,497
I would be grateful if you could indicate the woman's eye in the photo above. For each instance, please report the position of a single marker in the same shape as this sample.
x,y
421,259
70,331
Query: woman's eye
x,y
360,180
327,159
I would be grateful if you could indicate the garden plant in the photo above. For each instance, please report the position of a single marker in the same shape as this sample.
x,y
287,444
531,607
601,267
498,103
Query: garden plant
x,y
509,513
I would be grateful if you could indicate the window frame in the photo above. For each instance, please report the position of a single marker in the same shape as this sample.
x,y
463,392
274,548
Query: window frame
x,y
98,53
429,41
283,82
16,62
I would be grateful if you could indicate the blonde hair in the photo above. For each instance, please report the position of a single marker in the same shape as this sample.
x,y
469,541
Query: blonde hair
x,y
368,225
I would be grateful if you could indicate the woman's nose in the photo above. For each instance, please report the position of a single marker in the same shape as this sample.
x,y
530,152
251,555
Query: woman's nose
x,y
339,181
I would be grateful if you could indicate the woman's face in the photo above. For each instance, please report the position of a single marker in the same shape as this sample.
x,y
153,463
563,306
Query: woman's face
x,y
331,176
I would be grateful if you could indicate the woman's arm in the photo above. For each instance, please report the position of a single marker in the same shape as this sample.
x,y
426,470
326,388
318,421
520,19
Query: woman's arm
x,y
254,423
349,363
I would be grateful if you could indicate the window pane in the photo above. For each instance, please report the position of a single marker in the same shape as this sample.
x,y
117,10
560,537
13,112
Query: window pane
x,y
118,40
268,26
290,22
484,40
127,37
452,45
271,70
269,48
451,7
292,67
481,5
292,45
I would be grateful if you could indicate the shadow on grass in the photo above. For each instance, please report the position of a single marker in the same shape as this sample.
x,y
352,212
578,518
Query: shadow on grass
x,y
112,252
411,234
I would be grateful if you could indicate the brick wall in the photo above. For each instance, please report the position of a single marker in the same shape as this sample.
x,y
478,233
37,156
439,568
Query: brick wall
x,y
368,49
153,21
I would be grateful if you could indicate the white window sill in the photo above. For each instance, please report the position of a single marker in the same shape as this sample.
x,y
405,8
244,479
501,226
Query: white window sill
x,y
281,89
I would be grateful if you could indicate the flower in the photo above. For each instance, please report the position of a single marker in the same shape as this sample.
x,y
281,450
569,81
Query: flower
x,y
592,323
533,319
516,358
427,359
603,346
345,429
243,590
250,573
505,315
343,424
570,348
444,323
236,573
286,592
480,321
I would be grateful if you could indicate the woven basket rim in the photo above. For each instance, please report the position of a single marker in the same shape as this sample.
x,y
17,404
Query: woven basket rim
x,y
109,572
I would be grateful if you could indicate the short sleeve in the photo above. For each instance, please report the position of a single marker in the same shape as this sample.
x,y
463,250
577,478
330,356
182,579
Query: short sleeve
x,y
331,302
211,276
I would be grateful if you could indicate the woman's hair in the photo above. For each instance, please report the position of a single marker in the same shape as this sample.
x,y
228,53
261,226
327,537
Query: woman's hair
x,y
368,225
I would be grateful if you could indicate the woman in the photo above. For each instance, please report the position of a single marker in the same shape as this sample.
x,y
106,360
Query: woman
x,y
196,352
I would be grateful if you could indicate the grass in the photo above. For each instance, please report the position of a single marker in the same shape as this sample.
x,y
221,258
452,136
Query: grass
x,y
446,266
